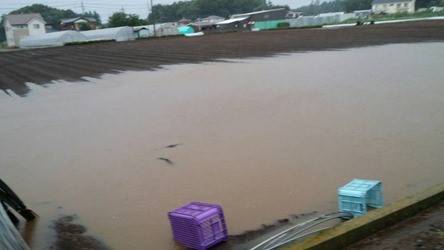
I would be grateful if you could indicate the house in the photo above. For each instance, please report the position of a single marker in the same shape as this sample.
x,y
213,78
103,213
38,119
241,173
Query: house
x,y
393,6
18,26
261,20
207,24
234,24
78,23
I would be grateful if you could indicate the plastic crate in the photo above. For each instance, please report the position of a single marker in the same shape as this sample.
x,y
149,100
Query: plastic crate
x,y
358,194
198,225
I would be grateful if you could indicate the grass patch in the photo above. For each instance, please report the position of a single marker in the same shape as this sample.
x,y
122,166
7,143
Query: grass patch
x,y
157,37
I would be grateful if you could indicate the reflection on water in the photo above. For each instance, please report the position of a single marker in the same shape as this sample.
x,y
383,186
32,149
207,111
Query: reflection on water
x,y
264,138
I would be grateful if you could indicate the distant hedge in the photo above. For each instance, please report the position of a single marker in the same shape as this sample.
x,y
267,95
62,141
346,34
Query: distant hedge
x,y
283,25
88,42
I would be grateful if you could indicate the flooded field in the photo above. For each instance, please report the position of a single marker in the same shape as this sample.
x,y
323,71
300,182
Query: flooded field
x,y
264,138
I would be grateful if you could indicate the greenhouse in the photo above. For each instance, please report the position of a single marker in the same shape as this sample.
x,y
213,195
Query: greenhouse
x,y
52,39
119,34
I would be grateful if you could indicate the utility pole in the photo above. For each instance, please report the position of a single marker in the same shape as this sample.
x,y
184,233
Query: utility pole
x,y
83,8
154,18
148,10
311,8
122,9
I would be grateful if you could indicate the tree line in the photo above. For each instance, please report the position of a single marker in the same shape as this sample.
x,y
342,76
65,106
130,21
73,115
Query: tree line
x,y
202,8
348,6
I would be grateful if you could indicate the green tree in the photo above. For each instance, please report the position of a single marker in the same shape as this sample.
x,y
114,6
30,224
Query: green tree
x,y
335,6
428,3
2,31
119,19
203,8
352,5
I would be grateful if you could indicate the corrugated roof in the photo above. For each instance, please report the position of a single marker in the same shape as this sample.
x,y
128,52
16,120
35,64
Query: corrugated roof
x,y
390,1
20,19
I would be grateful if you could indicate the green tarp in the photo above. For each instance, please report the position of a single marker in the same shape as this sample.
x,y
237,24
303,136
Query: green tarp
x,y
266,25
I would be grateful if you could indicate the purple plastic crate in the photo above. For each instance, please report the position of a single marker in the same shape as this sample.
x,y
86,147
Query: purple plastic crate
x,y
198,225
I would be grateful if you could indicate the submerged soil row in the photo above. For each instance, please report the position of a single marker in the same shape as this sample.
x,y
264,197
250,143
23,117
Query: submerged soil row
x,y
71,63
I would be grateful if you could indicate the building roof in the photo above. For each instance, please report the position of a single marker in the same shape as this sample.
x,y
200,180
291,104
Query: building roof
x,y
390,1
71,20
213,17
232,20
254,13
20,19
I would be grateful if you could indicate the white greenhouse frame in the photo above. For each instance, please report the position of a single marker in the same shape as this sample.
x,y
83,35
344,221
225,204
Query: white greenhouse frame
x,y
52,39
119,34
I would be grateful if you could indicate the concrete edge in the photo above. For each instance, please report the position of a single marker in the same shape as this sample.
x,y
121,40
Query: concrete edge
x,y
356,229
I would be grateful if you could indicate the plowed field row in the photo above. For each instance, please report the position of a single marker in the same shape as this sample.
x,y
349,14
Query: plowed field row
x,y
41,66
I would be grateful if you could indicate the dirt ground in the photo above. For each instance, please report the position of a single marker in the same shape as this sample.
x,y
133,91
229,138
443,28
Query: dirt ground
x,y
422,231
71,63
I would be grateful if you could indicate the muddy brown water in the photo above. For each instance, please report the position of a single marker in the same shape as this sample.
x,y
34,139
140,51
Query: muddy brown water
x,y
264,138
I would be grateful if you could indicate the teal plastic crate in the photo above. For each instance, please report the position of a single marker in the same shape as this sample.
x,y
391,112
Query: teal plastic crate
x,y
359,194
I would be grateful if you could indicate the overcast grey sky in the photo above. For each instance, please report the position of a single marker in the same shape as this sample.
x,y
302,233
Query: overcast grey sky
x,y
107,8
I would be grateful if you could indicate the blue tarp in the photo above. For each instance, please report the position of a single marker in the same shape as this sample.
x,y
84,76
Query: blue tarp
x,y
185,30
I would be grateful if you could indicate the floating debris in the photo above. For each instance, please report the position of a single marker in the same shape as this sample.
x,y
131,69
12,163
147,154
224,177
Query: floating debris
x,y
166,160
173,145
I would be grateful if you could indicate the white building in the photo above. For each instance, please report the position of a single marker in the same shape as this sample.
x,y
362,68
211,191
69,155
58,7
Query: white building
x,y
393,6
18,26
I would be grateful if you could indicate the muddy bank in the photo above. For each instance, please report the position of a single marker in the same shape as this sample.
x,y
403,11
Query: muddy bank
x,y
72,236
71,63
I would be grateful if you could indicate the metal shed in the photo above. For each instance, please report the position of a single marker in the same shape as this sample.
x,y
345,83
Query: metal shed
x,y
119,34
52,39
